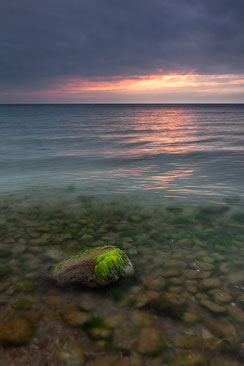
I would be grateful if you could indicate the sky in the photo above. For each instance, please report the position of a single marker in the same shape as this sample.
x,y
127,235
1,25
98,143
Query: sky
x,y
121,51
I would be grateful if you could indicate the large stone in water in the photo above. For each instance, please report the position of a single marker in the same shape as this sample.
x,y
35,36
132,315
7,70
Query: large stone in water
x,y
96,267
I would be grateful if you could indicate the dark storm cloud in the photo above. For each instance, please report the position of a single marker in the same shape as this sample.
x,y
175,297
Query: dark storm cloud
x,y
43,41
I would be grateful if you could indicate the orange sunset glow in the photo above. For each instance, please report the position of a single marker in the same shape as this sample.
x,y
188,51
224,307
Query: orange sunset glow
x,y
152,82
132,86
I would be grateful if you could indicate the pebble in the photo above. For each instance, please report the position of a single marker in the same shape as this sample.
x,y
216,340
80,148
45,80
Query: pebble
x,y
53,300
223,329
236,278
209,283
105,360
221,297
192,274
221,361
16,332
75,318
215,308
71,355
151,341
236,313
188,359
175,264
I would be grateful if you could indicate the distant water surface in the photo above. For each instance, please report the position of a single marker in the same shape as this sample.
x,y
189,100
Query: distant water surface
x,y
171,150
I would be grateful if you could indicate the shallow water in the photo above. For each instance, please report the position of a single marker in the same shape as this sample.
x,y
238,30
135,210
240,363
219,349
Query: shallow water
x,y
186,298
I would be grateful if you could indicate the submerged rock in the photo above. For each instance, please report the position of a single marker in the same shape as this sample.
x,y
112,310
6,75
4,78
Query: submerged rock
x,y
76,318
225,330
210,305
151,341
71,354
97,267
16,332
188,359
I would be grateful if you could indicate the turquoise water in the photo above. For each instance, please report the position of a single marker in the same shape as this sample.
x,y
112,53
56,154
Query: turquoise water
x,y
164,184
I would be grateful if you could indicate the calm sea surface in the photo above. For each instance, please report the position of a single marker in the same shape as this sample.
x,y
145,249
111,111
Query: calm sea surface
x,y
171,150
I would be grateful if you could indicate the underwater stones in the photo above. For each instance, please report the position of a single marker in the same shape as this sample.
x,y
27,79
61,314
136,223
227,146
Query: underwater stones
x,y
97,267
141,318
177,289
191,289
70,355
18,249
171,304
188,342
174,263
236,278
172,272
207,259
145,297
53,300
75,318
129,361
240,301
209,283
203,266
188,359
125,339
211,306
25,285
115,320
105,360
176,280
242,350
224,329
54,254
221,297
236,313
22,303
32,315
151,341
100,333
192,274
4,270
221,361
155,283
16,332
224,268
191,317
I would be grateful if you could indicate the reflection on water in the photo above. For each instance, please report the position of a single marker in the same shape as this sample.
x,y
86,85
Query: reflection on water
x,y
124,148
184,305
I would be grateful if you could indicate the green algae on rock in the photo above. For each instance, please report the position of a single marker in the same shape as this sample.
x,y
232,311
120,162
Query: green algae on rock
x,y
96,267
105,263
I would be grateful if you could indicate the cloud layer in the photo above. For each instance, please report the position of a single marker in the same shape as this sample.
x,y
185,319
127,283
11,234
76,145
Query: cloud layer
x,y
47,43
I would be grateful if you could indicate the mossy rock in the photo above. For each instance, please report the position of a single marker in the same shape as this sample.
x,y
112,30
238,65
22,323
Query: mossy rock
x,y
96,267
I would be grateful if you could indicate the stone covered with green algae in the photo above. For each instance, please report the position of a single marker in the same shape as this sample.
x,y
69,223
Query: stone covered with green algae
x,y
96,267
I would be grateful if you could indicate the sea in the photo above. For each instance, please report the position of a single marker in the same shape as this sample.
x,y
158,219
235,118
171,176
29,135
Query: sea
x,y
185,151
164,183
